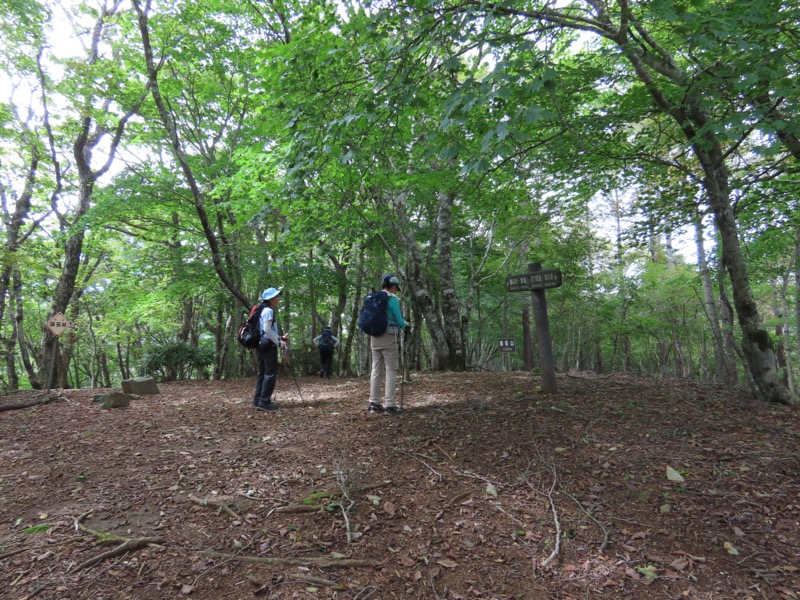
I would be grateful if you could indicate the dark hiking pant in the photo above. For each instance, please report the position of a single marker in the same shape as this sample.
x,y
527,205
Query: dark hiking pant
x,y
267,374
325,362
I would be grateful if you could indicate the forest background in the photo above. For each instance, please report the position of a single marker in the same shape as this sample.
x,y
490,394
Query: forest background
x,y
163,162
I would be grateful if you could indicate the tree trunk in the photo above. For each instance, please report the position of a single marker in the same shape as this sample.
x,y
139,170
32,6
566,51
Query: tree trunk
x,y
727,320
699,131
527,346
756,342
226,272
720,363
451,313
419,284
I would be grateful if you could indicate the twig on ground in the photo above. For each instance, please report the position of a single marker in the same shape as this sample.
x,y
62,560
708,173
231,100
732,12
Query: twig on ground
x,y
214,502
459,497
349,481
443,451
368,591
549,495
302,578
417,458
602,527
76,538
474,476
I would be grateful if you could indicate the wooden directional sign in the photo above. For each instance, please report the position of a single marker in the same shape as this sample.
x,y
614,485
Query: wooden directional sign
x,y
508,345
537,280
58,324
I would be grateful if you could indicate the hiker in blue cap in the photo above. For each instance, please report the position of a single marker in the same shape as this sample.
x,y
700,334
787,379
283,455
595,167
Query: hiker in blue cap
x,y
385,355
268,351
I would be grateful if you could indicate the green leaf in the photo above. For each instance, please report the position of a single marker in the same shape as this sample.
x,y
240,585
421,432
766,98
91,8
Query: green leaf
x,y
36,529
649,571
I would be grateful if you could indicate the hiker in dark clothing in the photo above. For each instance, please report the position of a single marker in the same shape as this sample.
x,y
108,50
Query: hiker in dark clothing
x,y
326,343
268,352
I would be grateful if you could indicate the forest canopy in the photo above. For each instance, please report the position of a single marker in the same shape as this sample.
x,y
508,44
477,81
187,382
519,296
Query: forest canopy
x,y
163,163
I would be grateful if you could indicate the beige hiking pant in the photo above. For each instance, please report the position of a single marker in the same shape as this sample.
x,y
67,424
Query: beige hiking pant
x,y
385,364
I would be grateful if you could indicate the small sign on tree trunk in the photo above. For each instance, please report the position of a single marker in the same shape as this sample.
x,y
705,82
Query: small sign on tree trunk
x,y
58,324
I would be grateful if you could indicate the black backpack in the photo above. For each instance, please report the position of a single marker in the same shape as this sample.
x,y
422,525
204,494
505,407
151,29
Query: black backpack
x,y
250,331
373,319
326,341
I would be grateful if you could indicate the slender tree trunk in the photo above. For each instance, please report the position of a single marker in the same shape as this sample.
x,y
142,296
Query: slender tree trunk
x,y
225,272
728,319
451,313
710,306
527,346
419,284
797,307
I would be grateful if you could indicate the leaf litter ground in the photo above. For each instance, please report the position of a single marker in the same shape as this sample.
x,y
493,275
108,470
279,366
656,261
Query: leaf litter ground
x,y
468,494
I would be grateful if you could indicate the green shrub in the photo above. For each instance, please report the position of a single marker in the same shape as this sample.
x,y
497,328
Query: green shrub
x,y
175,360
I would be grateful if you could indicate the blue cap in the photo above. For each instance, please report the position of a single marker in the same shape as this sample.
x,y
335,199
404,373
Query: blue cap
x,y
270,293
392,280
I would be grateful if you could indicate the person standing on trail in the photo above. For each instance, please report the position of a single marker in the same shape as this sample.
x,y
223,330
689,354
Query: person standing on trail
x,y
326,343
268,351
385,355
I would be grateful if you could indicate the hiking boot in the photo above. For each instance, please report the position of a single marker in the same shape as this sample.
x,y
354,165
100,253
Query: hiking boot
x,y
375,408
393,410
266,406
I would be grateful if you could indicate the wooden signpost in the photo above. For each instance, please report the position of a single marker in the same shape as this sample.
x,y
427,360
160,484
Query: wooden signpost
x,y
508,345
537,281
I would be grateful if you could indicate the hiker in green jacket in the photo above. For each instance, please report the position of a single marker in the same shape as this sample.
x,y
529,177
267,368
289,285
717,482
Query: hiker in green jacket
x,y
385,355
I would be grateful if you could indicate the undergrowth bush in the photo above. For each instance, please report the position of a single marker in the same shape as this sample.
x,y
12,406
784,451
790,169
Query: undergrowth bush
x,y
176,360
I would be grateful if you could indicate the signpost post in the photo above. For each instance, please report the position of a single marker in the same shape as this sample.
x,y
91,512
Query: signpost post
x,y
537,281
57,324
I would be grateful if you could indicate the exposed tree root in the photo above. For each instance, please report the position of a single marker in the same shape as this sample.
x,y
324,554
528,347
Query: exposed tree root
x,y
298,508
263,586
319,562
128,546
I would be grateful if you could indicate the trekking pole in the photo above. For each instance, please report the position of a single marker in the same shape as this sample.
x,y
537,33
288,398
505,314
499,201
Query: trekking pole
x,y
297,385
291,372
403,365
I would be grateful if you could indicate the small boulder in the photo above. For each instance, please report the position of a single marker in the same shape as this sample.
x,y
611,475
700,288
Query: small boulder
x,y
113,400
140,386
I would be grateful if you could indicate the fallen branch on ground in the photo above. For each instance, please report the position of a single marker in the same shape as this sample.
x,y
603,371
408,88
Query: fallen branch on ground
x,y
29,403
